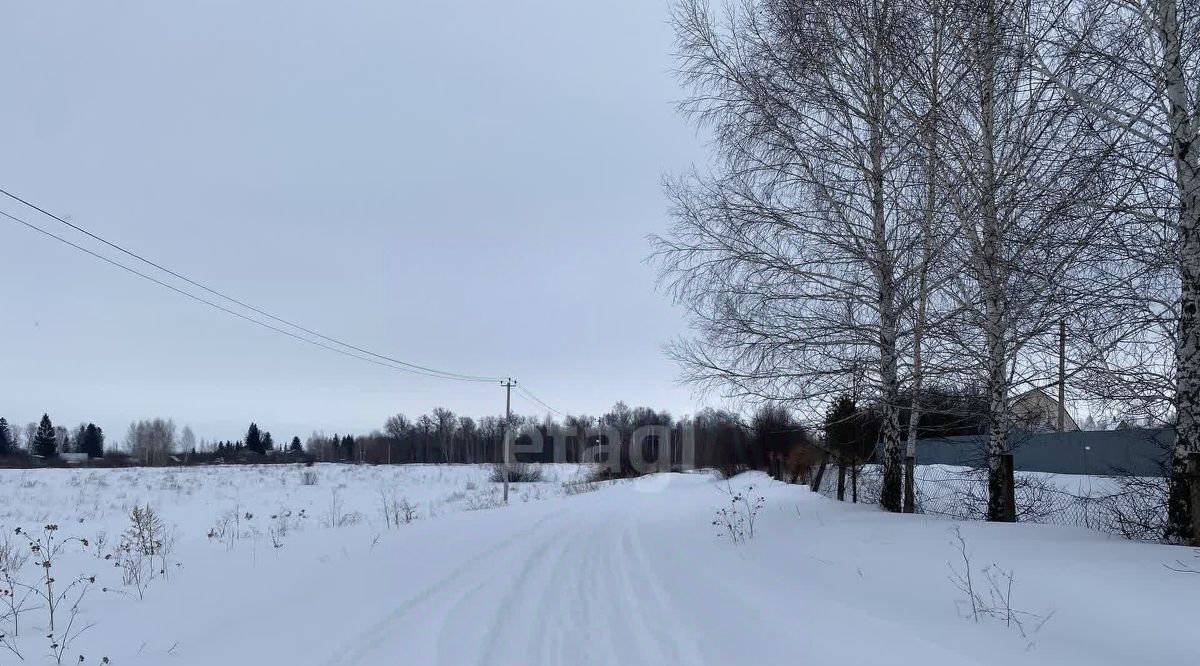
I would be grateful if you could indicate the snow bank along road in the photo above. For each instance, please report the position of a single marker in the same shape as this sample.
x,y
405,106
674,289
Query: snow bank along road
x,y
635,574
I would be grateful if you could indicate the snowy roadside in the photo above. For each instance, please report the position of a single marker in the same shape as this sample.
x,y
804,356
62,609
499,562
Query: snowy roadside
x,y
222,530
636,573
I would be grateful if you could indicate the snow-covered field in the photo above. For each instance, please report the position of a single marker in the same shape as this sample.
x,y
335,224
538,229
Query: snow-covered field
x,y
267,570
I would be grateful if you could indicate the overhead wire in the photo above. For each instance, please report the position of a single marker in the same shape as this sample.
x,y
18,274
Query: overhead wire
x,y
418,369
218,306
529,394
362,353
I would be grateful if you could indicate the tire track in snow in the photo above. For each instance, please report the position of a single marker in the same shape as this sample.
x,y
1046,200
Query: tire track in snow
x,y
572,628
575,587
523,602
352,652
683,652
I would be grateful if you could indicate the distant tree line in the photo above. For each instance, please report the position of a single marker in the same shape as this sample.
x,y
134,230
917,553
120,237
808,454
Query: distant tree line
x,y
47,441
718,439
256,442
156,441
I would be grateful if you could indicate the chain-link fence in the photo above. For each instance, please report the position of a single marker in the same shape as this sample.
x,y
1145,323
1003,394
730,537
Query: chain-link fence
x,y
1132,507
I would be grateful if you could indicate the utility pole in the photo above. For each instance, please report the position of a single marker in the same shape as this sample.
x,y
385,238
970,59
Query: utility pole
x,y
507,421
1062,375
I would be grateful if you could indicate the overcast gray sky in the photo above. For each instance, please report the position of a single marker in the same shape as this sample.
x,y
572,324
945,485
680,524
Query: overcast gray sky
x,y
465,184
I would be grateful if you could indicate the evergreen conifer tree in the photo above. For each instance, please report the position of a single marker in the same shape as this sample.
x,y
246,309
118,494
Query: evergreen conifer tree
x,y
92,441
254,439
6,440
44,443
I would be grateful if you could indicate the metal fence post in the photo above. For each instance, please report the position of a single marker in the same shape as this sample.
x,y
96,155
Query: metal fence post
x,y
910,486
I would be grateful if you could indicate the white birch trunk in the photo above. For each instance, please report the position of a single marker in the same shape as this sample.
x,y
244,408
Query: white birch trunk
x,y
885,274
993,276
1187,174
929,134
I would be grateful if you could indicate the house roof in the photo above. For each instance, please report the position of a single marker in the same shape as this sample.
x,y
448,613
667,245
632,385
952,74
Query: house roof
x,y
1036,400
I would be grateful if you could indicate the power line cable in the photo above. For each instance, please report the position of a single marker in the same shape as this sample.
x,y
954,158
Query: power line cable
x,y
529,394
391,362
424,369
222,308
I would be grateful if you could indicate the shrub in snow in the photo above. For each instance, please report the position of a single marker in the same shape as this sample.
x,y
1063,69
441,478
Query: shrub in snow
x,y
736,521
143,550
729,469
337,516
282,524
397,511
98,544
1138,509
486,499
517,473
584,481
225,530
989,594
54,598
308,477
14,595
531,493
579,487
599,473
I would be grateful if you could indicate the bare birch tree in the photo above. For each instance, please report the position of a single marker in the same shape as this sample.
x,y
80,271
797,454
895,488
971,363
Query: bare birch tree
x,y
787,256
1016,164
1136,69
151,441
930,83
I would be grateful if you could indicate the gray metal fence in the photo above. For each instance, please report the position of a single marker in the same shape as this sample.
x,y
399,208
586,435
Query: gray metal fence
x,y
1132,452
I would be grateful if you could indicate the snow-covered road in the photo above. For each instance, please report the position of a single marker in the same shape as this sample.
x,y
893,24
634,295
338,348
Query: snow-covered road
x,y
642,580
565,587
635,574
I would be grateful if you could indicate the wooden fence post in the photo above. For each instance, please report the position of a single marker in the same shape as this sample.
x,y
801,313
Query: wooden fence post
x,y
816,482
1009,496
1193,479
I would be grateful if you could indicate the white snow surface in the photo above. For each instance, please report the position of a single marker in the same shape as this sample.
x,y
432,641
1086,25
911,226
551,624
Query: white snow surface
x,y
632,573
